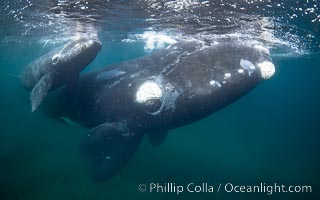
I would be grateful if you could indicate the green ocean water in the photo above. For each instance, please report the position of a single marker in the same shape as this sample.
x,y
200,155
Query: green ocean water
x,y
269,136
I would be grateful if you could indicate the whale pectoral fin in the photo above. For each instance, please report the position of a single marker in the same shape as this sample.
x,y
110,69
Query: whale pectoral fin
x,y
157,138
40,91
107,148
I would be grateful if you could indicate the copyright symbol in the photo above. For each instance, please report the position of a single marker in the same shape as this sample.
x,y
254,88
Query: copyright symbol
x,y
142,187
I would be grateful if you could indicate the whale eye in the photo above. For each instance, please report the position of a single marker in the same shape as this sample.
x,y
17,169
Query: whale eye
x,y
55,59
152,105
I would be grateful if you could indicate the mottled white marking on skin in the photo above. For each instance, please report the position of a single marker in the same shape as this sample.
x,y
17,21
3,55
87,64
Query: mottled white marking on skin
x,y
224,82
218,84
240,71
109,74
148,91
89,43
215,83
189,83
227,75
136,74
267,69
247,65
77,45
262,49
116,82
170,94
129,84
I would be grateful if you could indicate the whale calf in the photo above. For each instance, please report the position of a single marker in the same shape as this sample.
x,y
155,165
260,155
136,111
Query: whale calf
x,y
58,67
154,94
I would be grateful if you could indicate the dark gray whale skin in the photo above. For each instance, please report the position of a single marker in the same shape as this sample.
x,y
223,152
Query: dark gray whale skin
x,y
165,90
58,67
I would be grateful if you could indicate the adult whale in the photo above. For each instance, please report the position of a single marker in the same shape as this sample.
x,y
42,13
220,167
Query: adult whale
x,y
165,90
58,67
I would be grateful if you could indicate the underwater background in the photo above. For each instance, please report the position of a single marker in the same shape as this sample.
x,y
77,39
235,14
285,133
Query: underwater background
x,y
271,135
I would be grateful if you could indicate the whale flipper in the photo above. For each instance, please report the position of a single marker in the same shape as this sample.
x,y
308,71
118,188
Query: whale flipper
x,y
40,91
107,148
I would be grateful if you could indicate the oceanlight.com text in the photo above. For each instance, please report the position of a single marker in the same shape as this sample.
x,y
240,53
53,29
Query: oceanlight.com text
x,y
192,187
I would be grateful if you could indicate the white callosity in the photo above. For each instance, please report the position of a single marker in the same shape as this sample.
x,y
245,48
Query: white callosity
x,y
227,75
148,91
247,65
262,49
215,83
267,69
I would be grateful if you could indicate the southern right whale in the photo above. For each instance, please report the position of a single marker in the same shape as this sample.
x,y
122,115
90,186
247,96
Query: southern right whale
x,y
57,68
154,94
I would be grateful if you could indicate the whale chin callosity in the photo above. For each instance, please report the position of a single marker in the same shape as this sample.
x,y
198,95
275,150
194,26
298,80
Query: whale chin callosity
x,y
154,94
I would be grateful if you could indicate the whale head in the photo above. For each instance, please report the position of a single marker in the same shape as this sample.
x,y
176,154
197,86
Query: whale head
x,y
57,68
220,74
75,55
